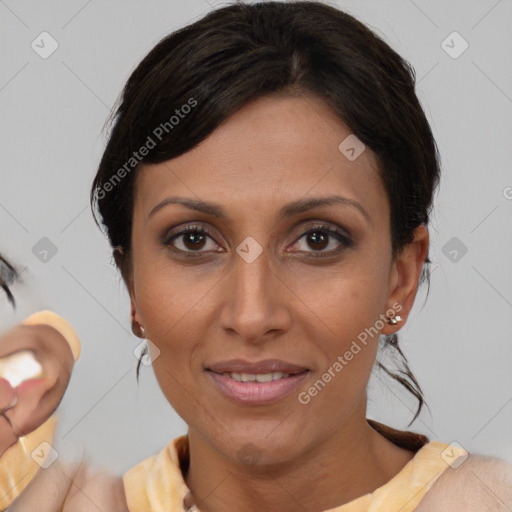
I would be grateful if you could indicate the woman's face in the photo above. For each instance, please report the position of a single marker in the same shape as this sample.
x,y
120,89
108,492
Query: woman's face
x,y
257,287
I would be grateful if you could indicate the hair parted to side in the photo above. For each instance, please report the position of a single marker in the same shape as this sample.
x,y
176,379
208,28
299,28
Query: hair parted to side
x,y
242,52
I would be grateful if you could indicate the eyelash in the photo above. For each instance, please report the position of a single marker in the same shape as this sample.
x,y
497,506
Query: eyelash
x,y
345,241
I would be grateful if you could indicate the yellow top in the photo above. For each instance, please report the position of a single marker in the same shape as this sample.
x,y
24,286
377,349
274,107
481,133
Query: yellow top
x,y
20,463
157,484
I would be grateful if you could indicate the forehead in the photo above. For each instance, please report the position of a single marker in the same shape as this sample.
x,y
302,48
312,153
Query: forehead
x,y
283,148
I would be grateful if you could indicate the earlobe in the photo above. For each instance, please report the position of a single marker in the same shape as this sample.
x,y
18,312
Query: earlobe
x,y
405,275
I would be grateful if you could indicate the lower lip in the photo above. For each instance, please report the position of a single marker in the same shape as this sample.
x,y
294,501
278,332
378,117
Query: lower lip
x,y
257,393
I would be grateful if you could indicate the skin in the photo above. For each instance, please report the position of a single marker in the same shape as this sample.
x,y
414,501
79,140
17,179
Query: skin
x,y
283,305
37,398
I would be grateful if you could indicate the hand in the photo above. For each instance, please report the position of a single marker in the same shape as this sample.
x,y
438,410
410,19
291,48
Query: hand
x,y
7,398
27,405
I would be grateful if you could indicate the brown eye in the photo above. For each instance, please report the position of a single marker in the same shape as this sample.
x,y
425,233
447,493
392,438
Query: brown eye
x,y
320,238
191,239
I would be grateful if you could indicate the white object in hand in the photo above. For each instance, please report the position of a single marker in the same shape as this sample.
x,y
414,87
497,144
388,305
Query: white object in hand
x,y
19,367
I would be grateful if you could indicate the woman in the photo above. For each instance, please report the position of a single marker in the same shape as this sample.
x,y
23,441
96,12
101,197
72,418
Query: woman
x,y
266,190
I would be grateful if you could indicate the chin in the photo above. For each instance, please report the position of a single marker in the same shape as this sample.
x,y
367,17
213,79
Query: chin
x,y
262,448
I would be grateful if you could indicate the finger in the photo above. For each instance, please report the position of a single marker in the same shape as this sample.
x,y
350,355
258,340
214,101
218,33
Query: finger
x,y
7,394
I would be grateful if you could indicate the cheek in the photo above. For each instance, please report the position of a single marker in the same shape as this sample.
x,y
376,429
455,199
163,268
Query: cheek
x,y
169,303
347,305
348,346
346,302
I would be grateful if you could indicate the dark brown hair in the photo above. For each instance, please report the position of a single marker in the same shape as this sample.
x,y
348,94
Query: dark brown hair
x,y
242,52
8,274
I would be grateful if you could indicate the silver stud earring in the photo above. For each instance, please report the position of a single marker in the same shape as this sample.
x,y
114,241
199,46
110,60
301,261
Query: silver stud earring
x,y
394,320
143,331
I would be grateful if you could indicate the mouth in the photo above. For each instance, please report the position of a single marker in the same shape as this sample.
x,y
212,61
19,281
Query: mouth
x,y
258,383
256,377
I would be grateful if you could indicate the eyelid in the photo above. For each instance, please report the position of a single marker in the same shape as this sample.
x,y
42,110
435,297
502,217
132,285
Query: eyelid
x,y
343,236
186,228
324,226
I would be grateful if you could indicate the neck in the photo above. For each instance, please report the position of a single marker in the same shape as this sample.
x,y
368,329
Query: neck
x,y
353,462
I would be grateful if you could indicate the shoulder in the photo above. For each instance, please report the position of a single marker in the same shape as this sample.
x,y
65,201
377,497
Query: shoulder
x,y
480,483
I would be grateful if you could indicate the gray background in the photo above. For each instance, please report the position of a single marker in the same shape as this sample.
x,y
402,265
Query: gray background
x,y
53,110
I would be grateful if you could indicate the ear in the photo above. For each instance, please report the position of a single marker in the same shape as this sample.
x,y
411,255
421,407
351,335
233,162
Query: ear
x,y
123,262
404,277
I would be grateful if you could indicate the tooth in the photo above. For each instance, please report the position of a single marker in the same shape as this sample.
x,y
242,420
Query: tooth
x,y
260,377
264,377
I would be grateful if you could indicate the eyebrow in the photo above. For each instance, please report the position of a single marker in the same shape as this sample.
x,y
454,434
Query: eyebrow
x,y
293,208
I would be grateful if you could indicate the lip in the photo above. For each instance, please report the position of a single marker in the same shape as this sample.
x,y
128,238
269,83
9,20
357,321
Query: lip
x,y
264,366
257,393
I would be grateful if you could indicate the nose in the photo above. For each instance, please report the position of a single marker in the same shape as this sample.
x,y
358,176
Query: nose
x,y
256,305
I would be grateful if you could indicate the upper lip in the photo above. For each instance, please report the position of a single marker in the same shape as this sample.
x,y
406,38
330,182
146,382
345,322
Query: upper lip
x,y
265,366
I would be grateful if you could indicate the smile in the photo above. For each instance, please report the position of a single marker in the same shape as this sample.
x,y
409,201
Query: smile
x,y
259,377
256,388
